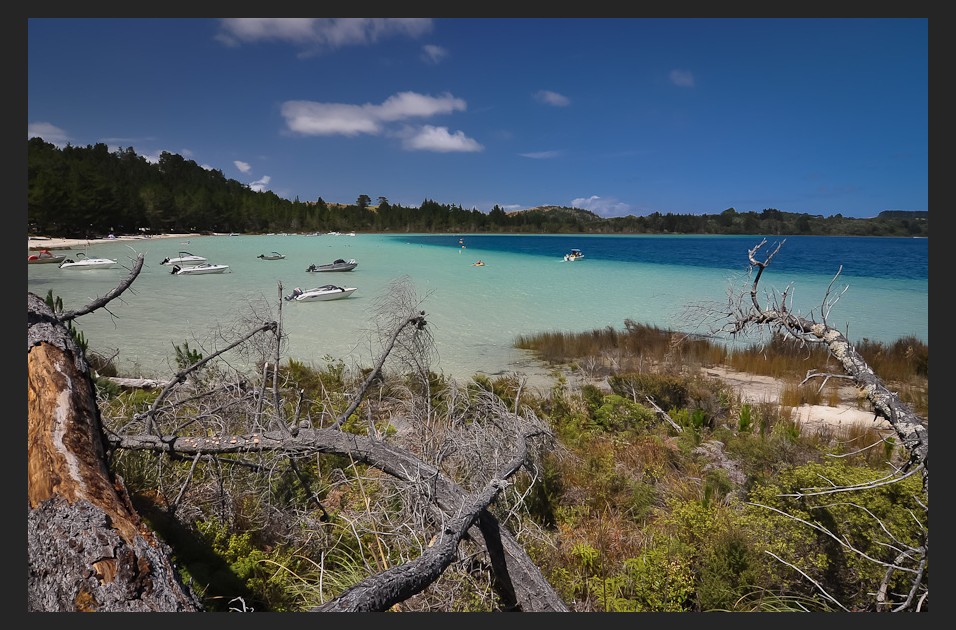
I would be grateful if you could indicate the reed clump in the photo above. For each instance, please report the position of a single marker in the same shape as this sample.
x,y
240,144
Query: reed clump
x,y
902,365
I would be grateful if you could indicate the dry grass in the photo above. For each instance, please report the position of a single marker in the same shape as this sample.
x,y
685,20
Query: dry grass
x,y
902,365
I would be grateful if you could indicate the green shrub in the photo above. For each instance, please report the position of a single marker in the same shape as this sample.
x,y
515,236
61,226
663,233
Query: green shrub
x,y
617,413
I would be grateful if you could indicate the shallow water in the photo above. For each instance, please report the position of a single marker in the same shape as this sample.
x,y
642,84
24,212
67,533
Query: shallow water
x,y
475,313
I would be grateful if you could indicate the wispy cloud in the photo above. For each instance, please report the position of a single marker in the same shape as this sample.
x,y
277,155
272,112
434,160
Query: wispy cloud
x,y
316,35
440,140
243,167
682,78
433,55
552,98
602,207
49,132
541,155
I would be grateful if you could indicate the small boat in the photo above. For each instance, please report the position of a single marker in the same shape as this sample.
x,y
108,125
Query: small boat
x,y
200,269
82,262
337,265
45,256
478,263
574,254
184,258
320,294
272,256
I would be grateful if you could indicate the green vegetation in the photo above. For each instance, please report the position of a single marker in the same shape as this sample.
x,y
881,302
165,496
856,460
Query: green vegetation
x,y
84,192
629,513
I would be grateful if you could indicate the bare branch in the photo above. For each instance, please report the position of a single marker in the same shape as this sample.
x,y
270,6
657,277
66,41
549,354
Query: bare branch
x,y
109,297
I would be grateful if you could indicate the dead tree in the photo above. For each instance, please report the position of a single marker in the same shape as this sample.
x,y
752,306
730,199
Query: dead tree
x,y
747,312
88,550
462,513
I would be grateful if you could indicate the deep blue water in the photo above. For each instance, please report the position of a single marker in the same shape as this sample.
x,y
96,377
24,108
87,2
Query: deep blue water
x,y
861,256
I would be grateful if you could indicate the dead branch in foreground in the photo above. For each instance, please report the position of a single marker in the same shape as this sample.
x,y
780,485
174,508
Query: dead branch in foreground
x,y
458,512
910,428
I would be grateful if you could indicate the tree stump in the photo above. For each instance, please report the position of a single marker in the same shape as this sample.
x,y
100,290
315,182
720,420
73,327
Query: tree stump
x,y
87,548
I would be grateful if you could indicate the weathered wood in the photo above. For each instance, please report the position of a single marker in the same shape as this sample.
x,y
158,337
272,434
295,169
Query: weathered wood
x,y
87,548
135,383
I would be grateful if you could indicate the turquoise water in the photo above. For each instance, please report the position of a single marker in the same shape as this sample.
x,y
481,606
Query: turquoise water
x,y
475,313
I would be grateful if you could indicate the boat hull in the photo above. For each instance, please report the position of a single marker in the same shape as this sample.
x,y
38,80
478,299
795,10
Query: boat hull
x,y
184,258
41,260
325,295
199,270
91,263
345,265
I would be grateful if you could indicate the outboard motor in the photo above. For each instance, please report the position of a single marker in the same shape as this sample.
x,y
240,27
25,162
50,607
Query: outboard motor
x,y
176,269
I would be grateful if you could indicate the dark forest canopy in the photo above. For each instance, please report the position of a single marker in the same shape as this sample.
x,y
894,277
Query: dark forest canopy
x,y
86,192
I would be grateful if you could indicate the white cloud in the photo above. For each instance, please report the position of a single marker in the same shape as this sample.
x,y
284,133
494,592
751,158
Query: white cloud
x,y
319,34
242,166
411,104
682,78
49,132
552,98
541,155
602,207
310,118
438,139
433,55
325,119
328,119
261,184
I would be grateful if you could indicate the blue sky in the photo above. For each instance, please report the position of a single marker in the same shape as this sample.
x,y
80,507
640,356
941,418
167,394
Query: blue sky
x,y
616,115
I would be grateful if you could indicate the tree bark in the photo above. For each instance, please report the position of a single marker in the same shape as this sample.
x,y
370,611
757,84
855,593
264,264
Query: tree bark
x,y
87,548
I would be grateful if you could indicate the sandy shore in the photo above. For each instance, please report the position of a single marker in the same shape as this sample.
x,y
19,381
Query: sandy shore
x,y
44,242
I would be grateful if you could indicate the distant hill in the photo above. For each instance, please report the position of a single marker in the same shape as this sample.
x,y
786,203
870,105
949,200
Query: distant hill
x,y
558,213
903,214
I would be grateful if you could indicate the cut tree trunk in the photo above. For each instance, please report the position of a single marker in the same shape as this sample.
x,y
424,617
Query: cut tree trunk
x,y
87,548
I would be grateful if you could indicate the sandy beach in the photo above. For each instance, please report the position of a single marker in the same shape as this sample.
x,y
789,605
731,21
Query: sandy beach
x,y
35,243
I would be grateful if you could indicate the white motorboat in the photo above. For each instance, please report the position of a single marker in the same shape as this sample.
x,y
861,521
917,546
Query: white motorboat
x,y
184,258
337,265
574,254
272,256
45,256
82,262
200,269
320,294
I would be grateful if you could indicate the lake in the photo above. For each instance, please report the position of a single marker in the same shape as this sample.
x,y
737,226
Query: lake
x,y
475,313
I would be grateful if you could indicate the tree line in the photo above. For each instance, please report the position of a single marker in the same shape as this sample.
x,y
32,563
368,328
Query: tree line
x,y
88,192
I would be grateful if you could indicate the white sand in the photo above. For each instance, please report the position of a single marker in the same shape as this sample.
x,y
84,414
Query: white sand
x,y
44,242
759,389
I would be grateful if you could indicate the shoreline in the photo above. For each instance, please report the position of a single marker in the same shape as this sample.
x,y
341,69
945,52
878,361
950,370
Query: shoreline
x,y
35,243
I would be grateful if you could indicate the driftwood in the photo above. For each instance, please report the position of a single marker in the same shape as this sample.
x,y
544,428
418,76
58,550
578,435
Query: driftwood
x,y
87,548
912,430
747,311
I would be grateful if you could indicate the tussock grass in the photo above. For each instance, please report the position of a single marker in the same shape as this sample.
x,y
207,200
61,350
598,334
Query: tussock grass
x,y
902,365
